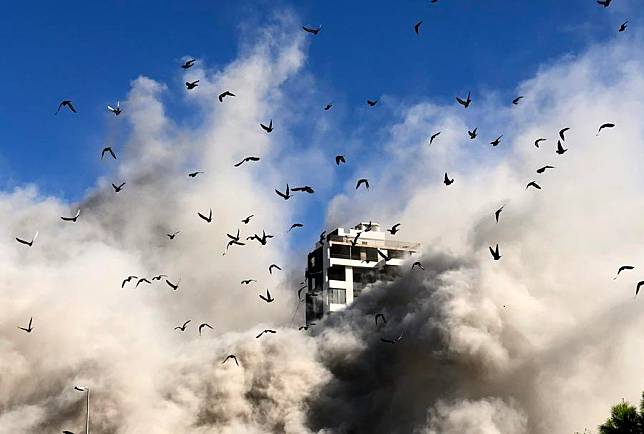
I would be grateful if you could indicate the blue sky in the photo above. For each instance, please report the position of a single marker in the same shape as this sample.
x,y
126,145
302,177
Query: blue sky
x,y
90,51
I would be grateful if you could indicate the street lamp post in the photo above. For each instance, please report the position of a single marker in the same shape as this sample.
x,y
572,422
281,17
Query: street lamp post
x,y
85,389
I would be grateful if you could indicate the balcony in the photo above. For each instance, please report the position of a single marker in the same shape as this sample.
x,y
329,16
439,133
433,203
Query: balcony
x,y
380,244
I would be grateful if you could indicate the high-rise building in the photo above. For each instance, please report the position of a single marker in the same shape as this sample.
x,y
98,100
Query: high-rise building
x,y
345,261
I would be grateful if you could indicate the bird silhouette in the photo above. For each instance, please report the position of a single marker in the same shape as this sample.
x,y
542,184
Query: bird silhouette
x,y
142,280
202,325
533,184
207,219
312,30
67,432
354,241
495,253
604,3
183,327
231,356
560,149
295,225
623,268
159,277
417,27
372,102
116,110
472,133
339,159
417,264
192,84
224,95
118,188
385,257
516,100
71,219
639,286
194,174
606,125
536,142
28,243
447,181
262,240
562,133
268,128
496,141
286,195
268,298
362,181
247,281
305,189
544,168
392,341
622,28
465,103
431,139
172,285
66,103
172,235
127,279
188,63
328,107
303,328
108,150
272,267
497,213
246,160
394,229
265,331
29,328
381,316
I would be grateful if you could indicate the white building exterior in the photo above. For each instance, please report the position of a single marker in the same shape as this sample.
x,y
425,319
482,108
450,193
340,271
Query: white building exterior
x,y
337,270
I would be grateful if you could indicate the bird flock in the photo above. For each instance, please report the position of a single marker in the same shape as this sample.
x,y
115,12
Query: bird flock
x,y
236,239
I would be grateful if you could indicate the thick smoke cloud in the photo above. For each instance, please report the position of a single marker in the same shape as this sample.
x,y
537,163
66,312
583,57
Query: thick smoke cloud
x,y
542,341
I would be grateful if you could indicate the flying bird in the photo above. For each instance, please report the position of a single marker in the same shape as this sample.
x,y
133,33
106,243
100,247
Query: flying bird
x,y
159,277
394,229
623,268
246,160
516,100
28,243
495,253
183,327
265,331
544,168
273,266
562,133
533,184
392,341
417,27
268,298
355,240
606,125
295,225
465,103
381,316
328,107
262,240
303,328
361,181
604,3
247,281
118,188
142,280
172,285
172,235
231,356
305,189
431,139
472,133
66,103
560,149
191,85
286,195
497,213
207,219
536,142
372,102
639,286
496,141
622,28
312,30
29,328
108,150
268,128
71,219
385,257
201,326
188,63
127,279
224,95
339,159
194,174
116,110
447,181
417,264
247,219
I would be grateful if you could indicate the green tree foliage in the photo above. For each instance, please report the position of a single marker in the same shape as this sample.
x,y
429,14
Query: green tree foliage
x,y
625,419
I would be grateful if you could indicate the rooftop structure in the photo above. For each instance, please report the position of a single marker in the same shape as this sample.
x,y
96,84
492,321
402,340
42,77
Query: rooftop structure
x,y
345,261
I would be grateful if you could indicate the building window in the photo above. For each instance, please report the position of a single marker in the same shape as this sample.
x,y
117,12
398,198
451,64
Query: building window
x,y
336,272
337,296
